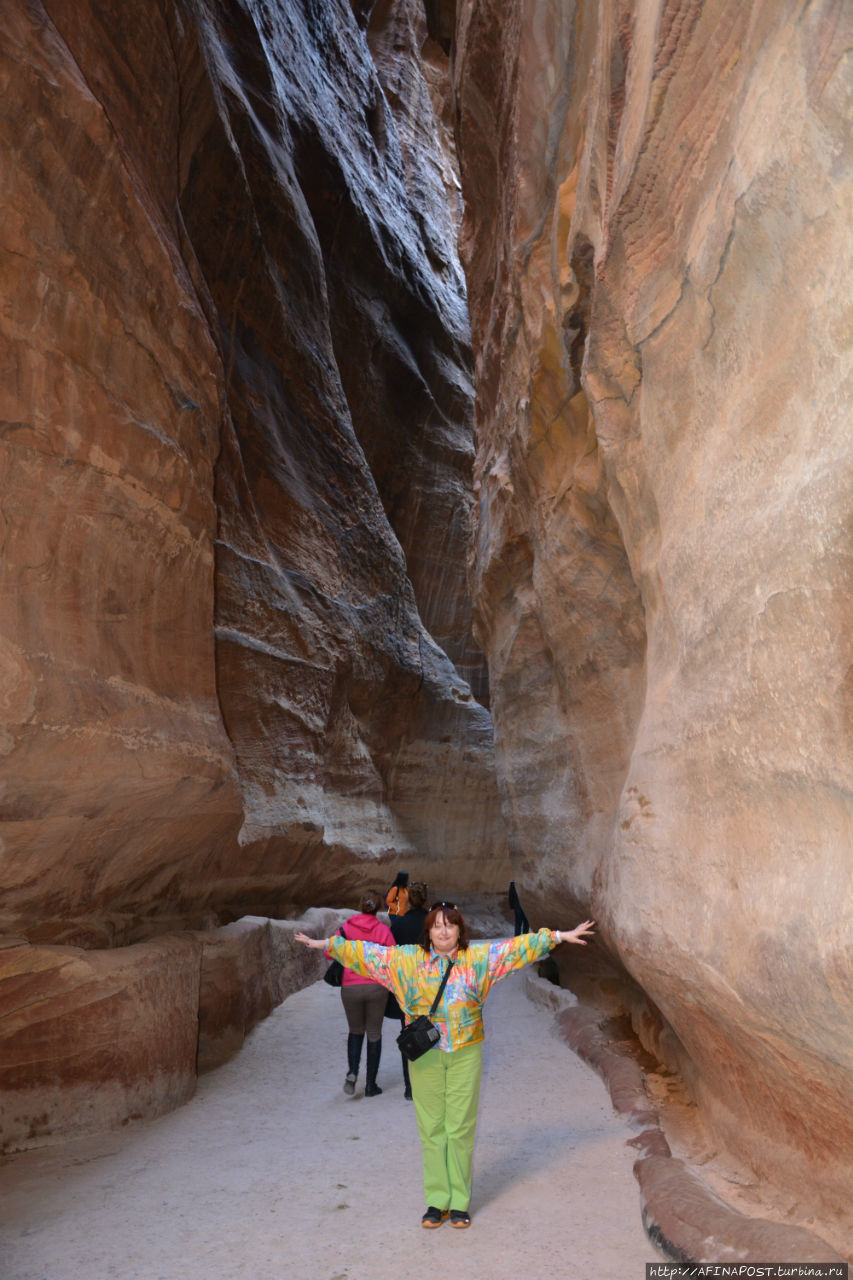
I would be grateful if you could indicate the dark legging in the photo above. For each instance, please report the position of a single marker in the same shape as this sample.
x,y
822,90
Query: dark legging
x,y
364,1004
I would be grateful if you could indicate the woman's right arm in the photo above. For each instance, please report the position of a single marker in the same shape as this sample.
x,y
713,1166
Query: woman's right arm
x,y
366,958
514,953
316,944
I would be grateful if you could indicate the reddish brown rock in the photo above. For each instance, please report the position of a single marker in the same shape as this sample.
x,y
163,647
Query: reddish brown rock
x,y
118,786
656,237
690,1224
91,1040
236,457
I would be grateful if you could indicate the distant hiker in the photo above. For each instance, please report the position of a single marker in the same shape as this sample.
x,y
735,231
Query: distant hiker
x,y
408,929
397,897
364,998
446,1078
522,924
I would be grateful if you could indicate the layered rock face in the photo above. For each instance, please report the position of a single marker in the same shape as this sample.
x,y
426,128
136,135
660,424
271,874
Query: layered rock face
x,y
236,450
94,1039
657,245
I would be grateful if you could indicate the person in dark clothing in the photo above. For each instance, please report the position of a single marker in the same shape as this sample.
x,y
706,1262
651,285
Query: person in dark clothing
x,y
522,924
408,929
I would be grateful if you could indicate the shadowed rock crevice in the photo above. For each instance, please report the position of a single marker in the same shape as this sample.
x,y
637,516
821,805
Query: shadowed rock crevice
x,y
577,300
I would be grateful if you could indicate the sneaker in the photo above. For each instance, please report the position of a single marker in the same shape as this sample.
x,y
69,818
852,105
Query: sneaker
x,y
349,1083
433,1217
459,1218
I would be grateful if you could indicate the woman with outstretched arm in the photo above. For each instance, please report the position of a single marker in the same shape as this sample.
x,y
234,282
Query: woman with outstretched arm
x,y
446,1079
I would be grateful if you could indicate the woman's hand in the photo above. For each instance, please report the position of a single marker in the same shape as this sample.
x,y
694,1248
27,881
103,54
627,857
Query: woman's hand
x,y
577,936
316,944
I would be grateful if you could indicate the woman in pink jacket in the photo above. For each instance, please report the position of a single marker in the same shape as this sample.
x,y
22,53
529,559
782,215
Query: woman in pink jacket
x,y
364,1000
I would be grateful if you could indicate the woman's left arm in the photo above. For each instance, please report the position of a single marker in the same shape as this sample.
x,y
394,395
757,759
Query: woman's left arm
x,y
577,936
514,953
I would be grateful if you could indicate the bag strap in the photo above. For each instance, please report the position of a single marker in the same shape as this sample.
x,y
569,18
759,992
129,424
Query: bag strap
x,y
440,991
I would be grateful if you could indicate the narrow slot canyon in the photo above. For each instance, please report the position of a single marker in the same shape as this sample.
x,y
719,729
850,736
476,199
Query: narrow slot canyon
x,y
425,444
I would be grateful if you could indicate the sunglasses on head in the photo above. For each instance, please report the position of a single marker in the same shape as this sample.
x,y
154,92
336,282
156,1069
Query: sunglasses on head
x,y
439,906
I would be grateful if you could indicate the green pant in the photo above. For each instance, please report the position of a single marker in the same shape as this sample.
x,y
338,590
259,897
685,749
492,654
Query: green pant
x,y
446,1090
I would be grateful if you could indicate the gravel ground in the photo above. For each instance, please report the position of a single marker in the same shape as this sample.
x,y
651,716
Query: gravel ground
x,y
272,1171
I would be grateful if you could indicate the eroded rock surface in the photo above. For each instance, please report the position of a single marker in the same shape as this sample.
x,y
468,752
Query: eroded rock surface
x,y
236,654
94,1039
236,451
657,245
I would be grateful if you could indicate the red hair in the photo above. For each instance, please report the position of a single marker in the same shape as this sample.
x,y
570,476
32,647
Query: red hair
x,y
453,916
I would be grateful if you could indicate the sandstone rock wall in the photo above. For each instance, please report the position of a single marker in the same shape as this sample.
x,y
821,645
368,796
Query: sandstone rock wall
x,y
657,241
90,1040
236,469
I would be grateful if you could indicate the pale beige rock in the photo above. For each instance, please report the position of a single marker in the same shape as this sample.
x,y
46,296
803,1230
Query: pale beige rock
x,y
657,240
247,968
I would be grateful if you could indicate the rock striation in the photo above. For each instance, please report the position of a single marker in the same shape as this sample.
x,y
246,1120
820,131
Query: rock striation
x,y
94,1039
237,449
237,670
240,671
657,242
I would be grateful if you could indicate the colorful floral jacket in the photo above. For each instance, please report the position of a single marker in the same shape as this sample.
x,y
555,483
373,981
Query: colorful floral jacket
x,y
415,976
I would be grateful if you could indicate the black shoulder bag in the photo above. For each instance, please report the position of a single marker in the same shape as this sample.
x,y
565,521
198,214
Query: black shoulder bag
x,y
421,1034
334,975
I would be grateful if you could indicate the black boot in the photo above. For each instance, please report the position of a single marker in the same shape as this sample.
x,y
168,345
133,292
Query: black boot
x,y
374,1053
354,1044
407,1093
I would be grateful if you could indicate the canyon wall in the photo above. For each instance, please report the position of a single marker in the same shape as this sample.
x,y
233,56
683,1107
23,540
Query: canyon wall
x,y
236,450
237,670
240,671
94,1039
657,242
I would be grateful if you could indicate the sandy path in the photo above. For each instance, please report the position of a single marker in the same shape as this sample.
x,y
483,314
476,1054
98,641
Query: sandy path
x,y
271,1171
